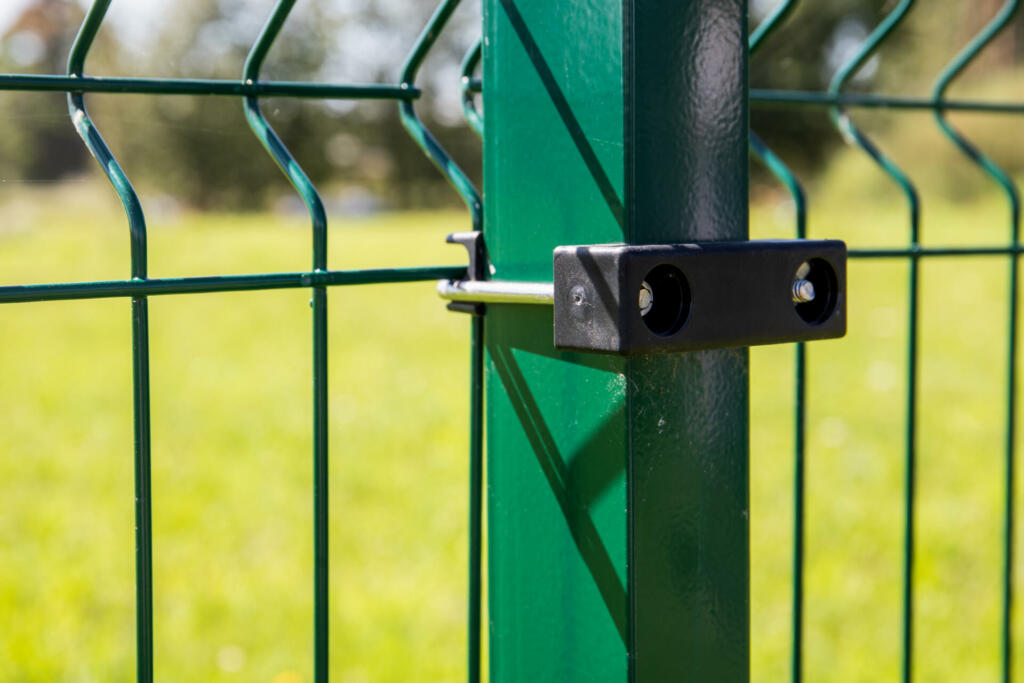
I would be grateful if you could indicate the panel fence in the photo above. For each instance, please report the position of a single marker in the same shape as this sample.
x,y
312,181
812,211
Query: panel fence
x,y
319,278
840,104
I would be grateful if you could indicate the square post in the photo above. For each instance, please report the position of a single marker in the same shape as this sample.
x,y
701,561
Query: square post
x,y
617,487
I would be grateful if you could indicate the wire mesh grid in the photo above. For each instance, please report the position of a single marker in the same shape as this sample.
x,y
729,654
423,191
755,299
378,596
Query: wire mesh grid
x,y
839,103
319,278
139,286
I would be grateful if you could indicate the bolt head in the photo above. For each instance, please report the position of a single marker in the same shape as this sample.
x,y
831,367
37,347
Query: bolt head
x,y
646,298
803,291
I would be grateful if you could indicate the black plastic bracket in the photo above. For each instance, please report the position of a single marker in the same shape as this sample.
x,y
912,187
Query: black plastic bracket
x,y
473,241
628,299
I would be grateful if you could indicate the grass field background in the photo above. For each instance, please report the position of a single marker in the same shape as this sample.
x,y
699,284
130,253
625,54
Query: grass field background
x,y
232,441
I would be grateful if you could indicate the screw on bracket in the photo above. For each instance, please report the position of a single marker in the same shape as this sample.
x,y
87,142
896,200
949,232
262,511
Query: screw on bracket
x,y
803,291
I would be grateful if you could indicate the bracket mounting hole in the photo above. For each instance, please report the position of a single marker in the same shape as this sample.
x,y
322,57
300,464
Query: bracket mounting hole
x,y
664,300
816,277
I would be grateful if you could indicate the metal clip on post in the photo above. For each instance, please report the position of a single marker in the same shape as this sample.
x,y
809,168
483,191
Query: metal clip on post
x,y
626,299
474,243
471,295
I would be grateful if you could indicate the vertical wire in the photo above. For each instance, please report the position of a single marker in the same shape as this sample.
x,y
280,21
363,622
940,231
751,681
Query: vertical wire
x,y
1011,474
471,197
475,494
140,344
476,446
476,419
1009,188
854,136
305,188
784,175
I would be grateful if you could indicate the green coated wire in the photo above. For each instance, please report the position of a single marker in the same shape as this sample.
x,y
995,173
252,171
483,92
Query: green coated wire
x,y
1009,188
778,167
258,122
476,469
374,91
104,289
139,287
808,98
204,86
97,147
305,188
476,418
775,164
779,14
419,132
469,110
471,197
784,175
140,344
917,251
853,135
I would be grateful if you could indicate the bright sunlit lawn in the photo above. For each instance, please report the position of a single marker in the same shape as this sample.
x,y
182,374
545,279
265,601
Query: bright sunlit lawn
x,y
232,480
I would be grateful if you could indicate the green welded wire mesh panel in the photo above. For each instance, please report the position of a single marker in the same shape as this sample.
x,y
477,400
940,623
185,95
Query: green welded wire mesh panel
x,y
841,105
138,287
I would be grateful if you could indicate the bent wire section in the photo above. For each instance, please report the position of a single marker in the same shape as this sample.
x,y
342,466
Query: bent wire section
x,y
469,109
277,150
140,343
272,143
1009,188
97,147
778,167
784,175
471,197
854,136
415,126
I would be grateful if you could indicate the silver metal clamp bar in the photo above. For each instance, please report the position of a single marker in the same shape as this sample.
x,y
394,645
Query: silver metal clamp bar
x,y
497,291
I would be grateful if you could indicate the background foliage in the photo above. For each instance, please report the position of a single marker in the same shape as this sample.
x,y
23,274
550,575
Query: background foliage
x,y
232,480
197,151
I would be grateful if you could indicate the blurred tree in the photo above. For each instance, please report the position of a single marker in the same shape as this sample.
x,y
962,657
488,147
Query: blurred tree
x,y
820,35
200,150
41,145
803,54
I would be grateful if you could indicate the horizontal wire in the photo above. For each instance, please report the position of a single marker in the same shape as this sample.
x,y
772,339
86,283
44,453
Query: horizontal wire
x,y
918,252
813,98
201,86
103,289
375,91
224,283
823,99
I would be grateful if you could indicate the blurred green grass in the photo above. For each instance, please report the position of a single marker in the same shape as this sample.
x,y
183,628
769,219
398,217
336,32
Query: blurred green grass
x,y
232,472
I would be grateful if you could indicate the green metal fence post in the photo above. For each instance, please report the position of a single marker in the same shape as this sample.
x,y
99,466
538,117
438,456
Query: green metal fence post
x,y
617,489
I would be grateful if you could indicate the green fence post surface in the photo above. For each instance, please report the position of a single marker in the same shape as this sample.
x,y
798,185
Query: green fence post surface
x,y
617,488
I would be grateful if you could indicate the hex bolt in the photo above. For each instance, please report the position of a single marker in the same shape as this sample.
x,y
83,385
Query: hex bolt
x,y
803,291
646,298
